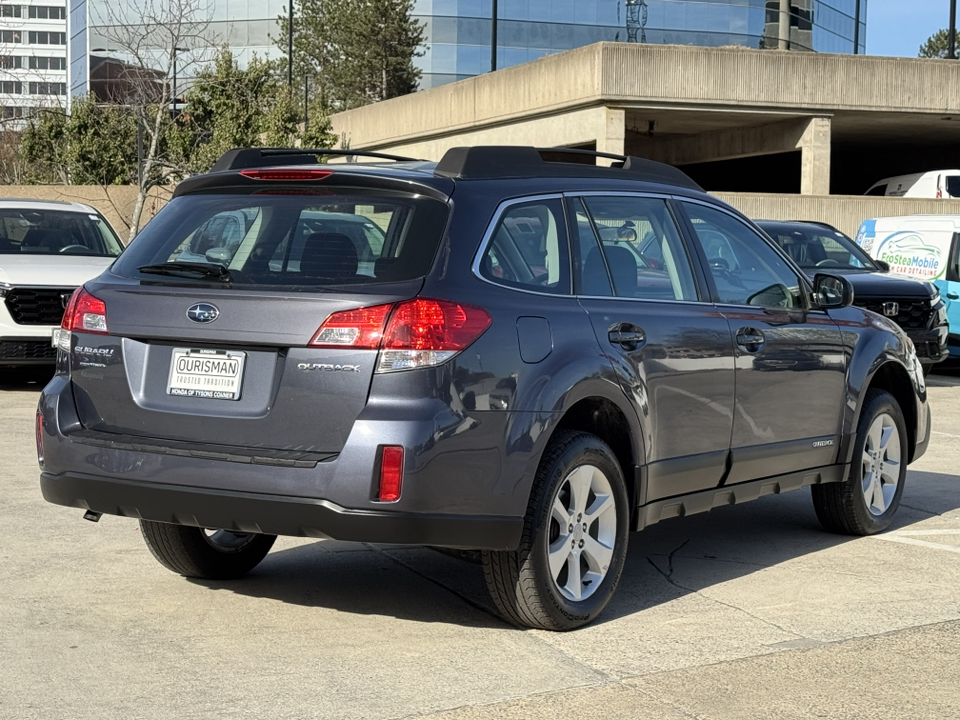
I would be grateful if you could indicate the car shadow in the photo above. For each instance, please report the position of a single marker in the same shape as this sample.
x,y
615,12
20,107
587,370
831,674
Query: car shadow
x,y
424,585
18,379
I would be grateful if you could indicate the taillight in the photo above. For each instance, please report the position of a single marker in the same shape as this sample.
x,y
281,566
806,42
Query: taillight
x,y
391,473
287,174
419,333
85,313
361,328
423,332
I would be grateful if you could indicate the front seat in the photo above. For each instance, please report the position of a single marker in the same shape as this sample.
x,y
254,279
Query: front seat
x,y
329,256
623,268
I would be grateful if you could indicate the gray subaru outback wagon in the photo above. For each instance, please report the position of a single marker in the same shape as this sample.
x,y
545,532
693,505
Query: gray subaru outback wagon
x,y
524,355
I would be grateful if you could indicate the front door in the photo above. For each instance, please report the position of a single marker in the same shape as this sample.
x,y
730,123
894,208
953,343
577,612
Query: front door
x,y
791,367
672,353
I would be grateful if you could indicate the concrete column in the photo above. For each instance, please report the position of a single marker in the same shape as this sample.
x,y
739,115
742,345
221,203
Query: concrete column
x,y
611,132
815,157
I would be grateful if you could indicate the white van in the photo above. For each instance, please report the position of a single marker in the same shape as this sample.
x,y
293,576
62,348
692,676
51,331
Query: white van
x,y
933,184
925,247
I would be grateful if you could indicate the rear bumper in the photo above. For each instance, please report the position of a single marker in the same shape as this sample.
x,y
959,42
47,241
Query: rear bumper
x,y
276,514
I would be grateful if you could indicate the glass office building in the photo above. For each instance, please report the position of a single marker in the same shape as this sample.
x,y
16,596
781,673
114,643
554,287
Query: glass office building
x,y
459,32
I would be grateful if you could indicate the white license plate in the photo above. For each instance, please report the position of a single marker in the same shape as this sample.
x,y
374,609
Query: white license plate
x,y
214,374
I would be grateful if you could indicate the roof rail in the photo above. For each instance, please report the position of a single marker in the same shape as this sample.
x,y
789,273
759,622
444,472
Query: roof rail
x,y
517,161
239,158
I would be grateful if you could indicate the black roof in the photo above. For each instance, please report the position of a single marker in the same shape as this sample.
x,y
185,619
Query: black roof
x,y
478,162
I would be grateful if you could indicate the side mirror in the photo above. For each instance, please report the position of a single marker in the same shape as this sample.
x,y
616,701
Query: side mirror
x,y
832,291
883,265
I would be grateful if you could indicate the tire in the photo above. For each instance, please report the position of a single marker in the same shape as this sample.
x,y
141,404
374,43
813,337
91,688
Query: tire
x,y
878,471
208,554
533,587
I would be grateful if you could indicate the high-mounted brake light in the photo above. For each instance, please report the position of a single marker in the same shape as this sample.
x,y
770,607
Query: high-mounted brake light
x,y
419,332
85,313
286,174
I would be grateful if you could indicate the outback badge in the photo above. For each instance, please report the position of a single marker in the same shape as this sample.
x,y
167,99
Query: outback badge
x,y
203,313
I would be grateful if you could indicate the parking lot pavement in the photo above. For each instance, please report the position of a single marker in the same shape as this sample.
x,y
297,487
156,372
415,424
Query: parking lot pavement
x,y
746,612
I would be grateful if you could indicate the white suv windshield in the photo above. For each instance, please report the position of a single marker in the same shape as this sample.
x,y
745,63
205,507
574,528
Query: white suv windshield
x,y
56,232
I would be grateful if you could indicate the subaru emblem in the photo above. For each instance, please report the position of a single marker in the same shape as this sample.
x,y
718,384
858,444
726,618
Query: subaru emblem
x,y
203,313
891,309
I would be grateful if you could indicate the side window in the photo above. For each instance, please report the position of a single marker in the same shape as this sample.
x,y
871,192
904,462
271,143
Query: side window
x,y
644,255
745,269
528,248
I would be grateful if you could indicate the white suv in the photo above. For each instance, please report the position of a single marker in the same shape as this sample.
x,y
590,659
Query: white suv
x,y
47,250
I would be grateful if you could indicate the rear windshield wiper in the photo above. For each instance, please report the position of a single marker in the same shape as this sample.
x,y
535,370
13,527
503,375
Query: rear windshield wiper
x,y
189,269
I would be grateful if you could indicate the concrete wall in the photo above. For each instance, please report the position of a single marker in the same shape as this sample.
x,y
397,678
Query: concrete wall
x,y
114,202
844,212
667,76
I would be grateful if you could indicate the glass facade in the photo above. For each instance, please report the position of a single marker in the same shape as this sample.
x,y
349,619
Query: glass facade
x,y
459,31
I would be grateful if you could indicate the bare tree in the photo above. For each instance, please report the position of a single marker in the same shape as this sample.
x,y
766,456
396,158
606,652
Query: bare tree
x,y
159,42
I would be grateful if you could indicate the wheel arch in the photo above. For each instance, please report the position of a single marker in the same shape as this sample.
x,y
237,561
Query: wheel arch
x,y
601,416
890,375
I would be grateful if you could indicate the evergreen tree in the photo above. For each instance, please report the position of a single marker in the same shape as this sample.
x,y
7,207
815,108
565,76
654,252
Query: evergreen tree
x,y
936,45
354,52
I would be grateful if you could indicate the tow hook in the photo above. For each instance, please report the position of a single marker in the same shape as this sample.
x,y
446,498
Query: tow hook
x,y
92,516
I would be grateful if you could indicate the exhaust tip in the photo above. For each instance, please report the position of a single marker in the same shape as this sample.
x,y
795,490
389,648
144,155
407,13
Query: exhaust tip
x,y
92,516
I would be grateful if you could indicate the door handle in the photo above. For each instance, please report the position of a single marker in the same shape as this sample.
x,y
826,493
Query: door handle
x,y
750,339
627,336
953,296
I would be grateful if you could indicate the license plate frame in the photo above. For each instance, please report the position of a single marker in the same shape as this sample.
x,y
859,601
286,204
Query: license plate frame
x,y
207,374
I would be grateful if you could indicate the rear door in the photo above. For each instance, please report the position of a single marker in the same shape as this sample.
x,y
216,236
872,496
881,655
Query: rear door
x,y
191,358
790,361
672,352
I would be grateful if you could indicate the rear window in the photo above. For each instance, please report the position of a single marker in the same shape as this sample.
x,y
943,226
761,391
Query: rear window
x,y
56,232
296,240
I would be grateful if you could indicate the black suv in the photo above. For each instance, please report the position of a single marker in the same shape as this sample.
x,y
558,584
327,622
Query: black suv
x,y
540,357
914,305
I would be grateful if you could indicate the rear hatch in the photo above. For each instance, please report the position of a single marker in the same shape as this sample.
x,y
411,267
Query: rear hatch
x,y
213,315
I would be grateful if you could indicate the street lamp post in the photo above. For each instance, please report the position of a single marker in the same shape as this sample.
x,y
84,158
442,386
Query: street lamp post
x,y
290,50
493,39
952,33
176,50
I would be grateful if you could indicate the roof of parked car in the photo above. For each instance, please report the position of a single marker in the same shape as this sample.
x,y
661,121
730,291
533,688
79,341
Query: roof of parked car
x,y
35,204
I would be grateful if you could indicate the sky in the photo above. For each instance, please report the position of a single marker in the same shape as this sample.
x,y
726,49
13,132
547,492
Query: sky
x,y
900,27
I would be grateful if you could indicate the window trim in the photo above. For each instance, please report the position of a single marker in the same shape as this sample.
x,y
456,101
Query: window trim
x,y
699,282
804,283
495,223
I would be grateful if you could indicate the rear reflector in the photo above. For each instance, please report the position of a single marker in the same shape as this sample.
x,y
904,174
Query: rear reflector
x,y
40,439
391,473
85,313
287,174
